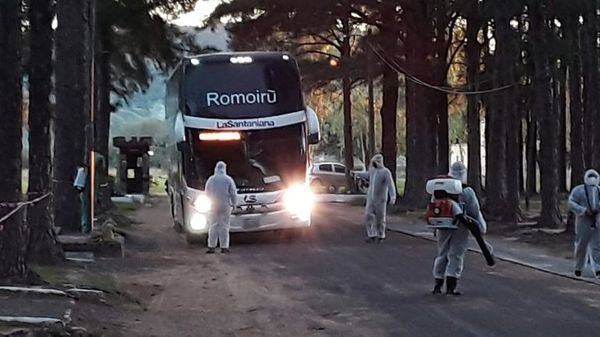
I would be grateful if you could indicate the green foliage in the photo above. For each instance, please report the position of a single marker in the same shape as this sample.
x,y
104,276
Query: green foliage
x,y
135,36
327,102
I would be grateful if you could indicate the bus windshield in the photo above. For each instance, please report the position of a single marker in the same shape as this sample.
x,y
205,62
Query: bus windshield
x,y
225,90
261,161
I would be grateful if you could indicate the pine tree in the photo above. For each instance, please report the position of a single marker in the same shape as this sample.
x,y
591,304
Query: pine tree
x,y
73,88
12,241
42,245
548,122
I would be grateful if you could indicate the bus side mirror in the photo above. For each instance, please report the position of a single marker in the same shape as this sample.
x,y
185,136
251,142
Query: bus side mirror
x,y
314,132
179,129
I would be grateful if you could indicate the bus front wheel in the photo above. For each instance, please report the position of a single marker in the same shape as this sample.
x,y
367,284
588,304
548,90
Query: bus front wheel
x,y
194,239
178,226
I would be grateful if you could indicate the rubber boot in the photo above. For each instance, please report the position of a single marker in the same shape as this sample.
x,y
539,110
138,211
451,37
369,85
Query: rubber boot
x,y
451,283
439,283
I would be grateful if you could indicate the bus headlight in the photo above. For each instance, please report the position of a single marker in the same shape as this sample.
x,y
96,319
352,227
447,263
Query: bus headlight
x,y
198,222
298,200
202,204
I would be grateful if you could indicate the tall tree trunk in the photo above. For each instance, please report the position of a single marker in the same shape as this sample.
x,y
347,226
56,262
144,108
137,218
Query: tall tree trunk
x,y
73,71
523,112
347,101
577,130
42,246
473,59
420,146
348,146
513,159
102,118
512,213
371,108
12,241
440,72
443,137
548,121
577,127
496,188
390,87
389,120
595,81
532,154
421,118
591,89
559,106
513,151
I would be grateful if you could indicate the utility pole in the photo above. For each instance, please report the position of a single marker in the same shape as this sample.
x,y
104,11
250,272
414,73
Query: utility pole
x,y
371,127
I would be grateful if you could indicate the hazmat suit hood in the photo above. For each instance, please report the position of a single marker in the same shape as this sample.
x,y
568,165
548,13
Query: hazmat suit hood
x,y
221,168
458,171
591,178
377,161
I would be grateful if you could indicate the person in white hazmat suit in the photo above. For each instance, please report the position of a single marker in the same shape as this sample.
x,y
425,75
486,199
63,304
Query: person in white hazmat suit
x,y
584,201
453,243
222,193
381,190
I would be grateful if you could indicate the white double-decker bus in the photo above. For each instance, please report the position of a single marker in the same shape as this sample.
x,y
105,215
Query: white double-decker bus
x,y
248,110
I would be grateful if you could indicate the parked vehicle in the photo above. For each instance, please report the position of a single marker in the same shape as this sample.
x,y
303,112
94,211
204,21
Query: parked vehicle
x,y
330,177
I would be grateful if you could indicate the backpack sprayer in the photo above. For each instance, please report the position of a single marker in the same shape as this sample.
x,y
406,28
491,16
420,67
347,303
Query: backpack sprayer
x,y
445,211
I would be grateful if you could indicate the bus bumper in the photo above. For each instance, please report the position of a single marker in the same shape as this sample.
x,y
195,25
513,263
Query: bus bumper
x,y
250,222
266,221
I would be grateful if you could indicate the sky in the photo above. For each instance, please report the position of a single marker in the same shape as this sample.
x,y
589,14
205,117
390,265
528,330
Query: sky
x,y
202,11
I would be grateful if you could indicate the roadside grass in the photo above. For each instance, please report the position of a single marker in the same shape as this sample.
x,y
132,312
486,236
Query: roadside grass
x,y
127,206
61,275
82,277
157,186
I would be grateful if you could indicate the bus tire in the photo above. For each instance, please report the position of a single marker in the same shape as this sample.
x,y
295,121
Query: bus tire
x,y
297,234
177,226
194,239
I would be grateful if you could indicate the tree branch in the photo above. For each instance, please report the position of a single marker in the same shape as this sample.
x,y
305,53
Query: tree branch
x,y
365,18
450,61
319,53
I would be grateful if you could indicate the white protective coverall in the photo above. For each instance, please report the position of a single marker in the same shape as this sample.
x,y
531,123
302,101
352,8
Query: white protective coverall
x,y
453,243
381,188
584,201
222,192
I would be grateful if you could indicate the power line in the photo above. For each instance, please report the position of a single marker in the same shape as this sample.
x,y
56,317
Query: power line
x,y
400,70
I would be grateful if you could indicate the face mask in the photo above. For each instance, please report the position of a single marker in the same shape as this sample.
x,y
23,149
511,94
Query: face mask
x,y
592,179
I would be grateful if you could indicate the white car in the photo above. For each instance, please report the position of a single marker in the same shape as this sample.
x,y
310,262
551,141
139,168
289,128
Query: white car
x,y
331,176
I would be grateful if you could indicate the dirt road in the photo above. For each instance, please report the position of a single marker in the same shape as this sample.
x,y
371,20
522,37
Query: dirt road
x,y
330,283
